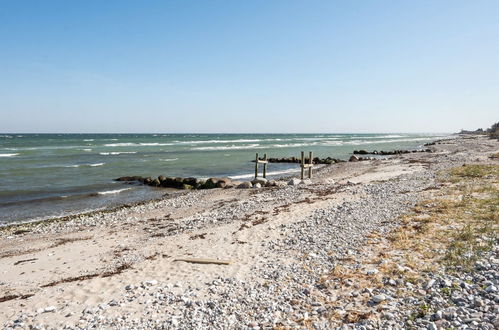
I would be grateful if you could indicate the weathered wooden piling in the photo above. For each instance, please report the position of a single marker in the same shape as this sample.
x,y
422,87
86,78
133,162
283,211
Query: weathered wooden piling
x,y
264,162
309,165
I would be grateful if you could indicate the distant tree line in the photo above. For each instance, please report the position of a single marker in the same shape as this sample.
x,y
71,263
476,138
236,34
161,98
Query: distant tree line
x,y
492,131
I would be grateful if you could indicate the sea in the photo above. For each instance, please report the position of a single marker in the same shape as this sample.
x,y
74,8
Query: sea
x,y
43,176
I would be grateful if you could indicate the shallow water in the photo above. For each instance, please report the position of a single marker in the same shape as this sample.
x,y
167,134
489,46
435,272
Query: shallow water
x,y
47,175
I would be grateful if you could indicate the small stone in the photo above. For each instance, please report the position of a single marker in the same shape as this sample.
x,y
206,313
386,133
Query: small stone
x,y
429,284
437,316
257,185
49,309
151,283
372,271
491,288
432,326
294,182
388,316
379,298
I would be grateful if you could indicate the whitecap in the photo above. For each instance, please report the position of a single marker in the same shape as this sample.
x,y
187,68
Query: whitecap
x,y
156,144
84,165
292,145
8,155
130,144
219,141
169,159
117,153
109,192
232,147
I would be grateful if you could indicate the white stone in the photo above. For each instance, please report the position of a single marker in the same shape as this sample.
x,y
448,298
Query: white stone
x,y
49,309
379,298
429,284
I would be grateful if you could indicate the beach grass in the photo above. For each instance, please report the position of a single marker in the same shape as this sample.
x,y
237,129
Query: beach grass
x,y
459,224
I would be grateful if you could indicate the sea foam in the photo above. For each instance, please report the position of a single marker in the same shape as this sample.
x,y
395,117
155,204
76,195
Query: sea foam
x,y
109,192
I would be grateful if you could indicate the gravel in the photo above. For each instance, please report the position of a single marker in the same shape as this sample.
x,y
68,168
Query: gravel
x,y
296,294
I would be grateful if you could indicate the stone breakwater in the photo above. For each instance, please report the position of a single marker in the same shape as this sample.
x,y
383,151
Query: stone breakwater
x,y
180,183
295,160
211,183
388,153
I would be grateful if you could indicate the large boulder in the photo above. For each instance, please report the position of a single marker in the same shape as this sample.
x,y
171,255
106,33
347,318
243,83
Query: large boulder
x,y
354,158
224,183
154,183
129,178
191,181
168,182
245,185
271,183
217,183
261,181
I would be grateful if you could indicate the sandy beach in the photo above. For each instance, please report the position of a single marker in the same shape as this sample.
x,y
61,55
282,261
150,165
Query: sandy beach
x,y
313,255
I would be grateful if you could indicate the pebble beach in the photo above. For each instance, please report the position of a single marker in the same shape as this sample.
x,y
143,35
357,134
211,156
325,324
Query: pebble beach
x,y
314,254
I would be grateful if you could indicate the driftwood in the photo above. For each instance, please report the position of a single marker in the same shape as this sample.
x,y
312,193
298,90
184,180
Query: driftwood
x,y
204,261
23,261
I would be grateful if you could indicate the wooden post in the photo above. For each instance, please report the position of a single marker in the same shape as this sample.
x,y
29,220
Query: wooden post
x,y
256,166
302,163
265,166
311,162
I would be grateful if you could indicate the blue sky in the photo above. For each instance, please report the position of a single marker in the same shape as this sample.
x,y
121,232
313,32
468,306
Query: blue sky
x,y
248,66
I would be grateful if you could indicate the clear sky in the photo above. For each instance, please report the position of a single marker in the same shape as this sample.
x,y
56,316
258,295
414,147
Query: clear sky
x,y
248,66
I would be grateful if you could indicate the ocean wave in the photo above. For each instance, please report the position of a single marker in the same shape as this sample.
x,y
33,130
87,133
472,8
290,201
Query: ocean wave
x,y
6,136
117,153
361,142
380,136
87,150
218,141
232,147
156,144
169,159
124,144
8,155
86,165
88,140
130,144
291,145
109,192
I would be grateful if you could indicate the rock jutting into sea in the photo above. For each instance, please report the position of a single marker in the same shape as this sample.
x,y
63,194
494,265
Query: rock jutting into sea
x,y
297,160
386,153
195,183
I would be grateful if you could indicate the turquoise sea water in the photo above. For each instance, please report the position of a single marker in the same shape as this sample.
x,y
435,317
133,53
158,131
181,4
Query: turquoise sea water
x,y
49,175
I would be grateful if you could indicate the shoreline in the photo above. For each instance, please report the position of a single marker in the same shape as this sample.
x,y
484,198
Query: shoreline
x,y
65,169
118,268
108,209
